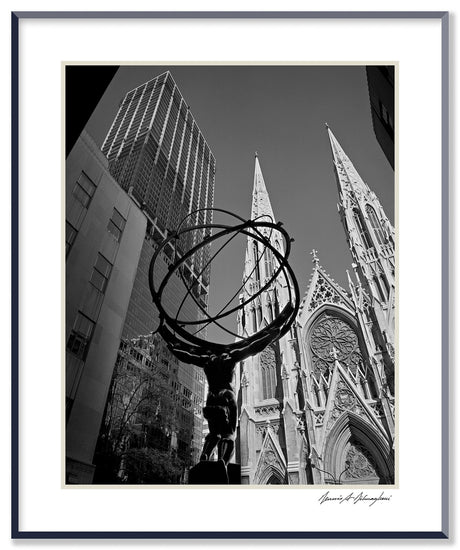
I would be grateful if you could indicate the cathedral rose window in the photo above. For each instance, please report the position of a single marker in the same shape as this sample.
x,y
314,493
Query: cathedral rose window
x,y
333,338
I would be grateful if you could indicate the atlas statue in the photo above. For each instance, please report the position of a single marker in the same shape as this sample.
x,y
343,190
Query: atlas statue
x,y
219,360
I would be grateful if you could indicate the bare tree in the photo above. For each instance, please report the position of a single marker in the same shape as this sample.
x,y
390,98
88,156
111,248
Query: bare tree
x,y
139,423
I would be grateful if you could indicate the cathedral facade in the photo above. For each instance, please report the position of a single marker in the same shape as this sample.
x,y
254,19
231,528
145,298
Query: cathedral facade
x,y
318,406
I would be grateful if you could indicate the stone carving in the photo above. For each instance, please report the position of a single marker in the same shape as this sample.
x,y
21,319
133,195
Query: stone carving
x,y
301,426
319,418
268,410
392,408
269,458
360,463
332,338
270,465
320,366
324,293
391,349
261,429
376,406
345,400
284,373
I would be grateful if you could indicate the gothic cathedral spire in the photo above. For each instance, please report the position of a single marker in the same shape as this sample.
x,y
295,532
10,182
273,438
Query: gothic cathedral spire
x,y
371,239
268,448
260,265
318,405
261,205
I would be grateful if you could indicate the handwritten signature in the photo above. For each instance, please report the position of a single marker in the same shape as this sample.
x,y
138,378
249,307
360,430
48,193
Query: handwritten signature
x,y
354,498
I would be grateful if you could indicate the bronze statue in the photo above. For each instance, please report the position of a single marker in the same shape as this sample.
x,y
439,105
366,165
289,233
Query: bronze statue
x,y
218,363
181,333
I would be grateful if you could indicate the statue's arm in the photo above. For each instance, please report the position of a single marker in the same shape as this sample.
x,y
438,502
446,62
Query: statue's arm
x,y
186,357
184,353
267,336
260,344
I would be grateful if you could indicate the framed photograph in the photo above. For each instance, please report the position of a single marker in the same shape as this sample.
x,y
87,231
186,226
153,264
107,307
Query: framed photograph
x,y
229,312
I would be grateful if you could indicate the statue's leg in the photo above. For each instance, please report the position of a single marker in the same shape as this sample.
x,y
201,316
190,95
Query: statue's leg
x,y
210,441
227,442
225,448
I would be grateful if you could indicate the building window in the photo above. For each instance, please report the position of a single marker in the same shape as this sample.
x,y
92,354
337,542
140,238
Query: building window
x,y
259,315
334,339
268,372
256,261
254,320
360,226
80,336
116,224
101,273
84,190
383,289
270,310
385,284
379,289
375,224
268,262
70,236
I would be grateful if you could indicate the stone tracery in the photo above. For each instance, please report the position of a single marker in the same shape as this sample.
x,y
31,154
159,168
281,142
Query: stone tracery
x,y
324,293
360,463
333,338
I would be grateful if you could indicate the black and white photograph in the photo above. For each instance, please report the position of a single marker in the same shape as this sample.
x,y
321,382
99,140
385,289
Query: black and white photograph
x,y
231,275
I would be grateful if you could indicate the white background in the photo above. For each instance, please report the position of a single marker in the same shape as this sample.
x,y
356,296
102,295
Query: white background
x,y
44,506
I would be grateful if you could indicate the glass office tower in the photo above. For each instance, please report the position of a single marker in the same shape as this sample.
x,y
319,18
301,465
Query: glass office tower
x,y
158,154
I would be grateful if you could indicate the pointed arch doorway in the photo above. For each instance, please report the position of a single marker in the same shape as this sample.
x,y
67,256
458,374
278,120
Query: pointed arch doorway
x,y
275,480
357,454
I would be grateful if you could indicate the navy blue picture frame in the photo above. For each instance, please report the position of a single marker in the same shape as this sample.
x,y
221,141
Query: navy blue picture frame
x,y
443,533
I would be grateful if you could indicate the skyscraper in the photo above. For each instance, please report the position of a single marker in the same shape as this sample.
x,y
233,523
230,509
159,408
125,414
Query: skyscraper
x,y
321,408
158,154
163,169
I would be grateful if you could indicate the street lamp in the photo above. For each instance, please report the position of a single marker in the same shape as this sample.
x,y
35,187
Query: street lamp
x,y
335,481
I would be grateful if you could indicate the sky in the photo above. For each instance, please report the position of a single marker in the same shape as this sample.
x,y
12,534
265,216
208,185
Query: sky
x,y
279,112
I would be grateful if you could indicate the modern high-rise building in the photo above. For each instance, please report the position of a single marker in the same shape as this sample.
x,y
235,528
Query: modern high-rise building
x,y
319,406
147,409
158,154
105,232
159,162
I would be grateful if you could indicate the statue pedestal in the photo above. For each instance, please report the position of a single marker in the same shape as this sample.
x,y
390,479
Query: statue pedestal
x,y
214,472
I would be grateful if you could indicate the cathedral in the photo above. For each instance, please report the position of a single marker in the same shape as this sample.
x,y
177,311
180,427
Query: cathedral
x,y
318,406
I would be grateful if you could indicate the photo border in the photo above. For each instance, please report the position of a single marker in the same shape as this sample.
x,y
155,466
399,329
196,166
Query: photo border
x,y
16,534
